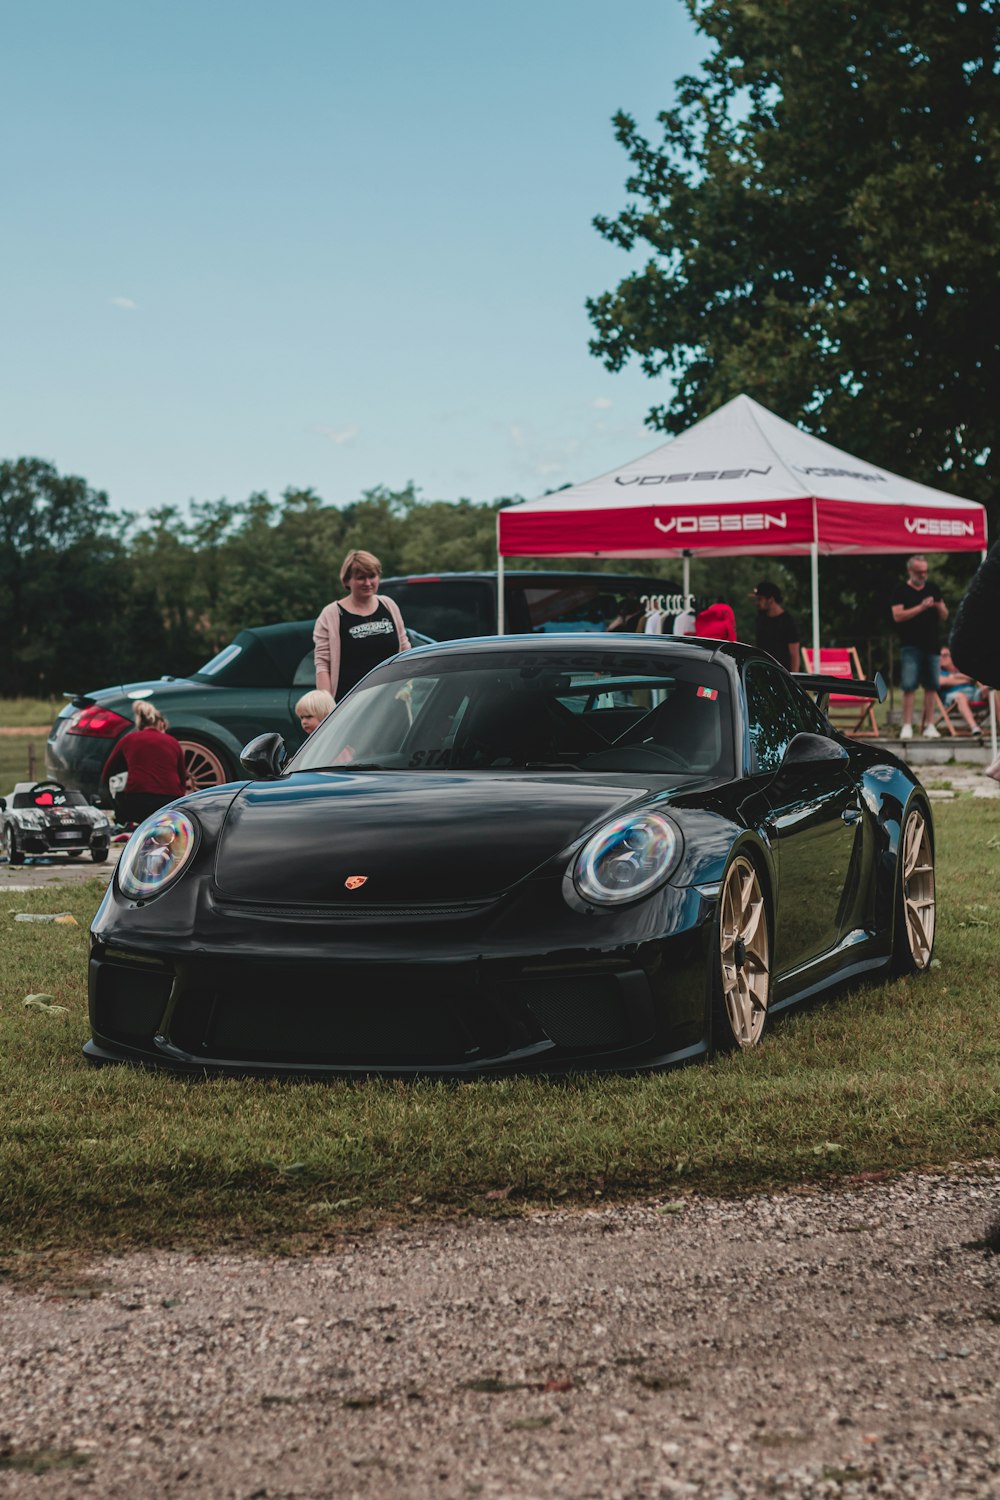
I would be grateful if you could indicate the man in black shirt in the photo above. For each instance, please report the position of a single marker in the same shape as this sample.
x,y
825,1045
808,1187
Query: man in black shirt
x,y
777,630
918,611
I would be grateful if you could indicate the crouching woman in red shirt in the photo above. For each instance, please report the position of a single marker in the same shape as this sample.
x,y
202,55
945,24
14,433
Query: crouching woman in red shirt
x,y
155,764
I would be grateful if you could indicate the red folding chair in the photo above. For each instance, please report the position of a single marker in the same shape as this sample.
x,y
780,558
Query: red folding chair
x,y
855,716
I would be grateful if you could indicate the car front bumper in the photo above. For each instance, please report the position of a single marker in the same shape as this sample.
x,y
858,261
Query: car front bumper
x,y
527,986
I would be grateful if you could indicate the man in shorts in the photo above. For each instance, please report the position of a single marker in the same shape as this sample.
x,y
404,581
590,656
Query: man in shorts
x,y
918,611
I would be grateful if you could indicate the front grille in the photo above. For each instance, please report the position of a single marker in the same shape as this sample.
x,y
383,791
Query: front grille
x,y
355,911
578,1010
126,1003
313,1013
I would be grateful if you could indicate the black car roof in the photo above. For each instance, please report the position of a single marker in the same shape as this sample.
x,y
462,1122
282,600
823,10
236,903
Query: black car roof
x,y
598,641
700,649
268,656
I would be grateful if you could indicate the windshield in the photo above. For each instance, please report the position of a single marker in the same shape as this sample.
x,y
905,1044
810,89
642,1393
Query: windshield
x,y
586,711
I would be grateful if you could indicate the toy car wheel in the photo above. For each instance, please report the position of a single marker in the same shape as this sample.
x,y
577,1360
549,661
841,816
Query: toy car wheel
x,y
205,766
98,856
13,853
742,959
913,928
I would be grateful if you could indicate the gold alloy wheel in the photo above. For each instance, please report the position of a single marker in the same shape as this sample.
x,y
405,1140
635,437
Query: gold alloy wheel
x,y
204,768
745,953
917,882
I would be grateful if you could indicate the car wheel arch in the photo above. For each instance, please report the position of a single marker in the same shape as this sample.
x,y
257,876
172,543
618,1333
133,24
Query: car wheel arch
x,y
890,820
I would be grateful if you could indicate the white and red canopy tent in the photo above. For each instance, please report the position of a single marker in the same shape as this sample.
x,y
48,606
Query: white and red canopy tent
x,y
742,482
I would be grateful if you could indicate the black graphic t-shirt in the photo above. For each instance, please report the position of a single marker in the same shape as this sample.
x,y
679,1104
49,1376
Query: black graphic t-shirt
x,y
365,640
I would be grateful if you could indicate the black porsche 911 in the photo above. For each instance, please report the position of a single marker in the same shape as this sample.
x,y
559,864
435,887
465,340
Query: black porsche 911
x,y
518,854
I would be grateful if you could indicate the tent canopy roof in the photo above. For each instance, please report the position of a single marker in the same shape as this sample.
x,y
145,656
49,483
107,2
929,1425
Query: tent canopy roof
x,y
742,481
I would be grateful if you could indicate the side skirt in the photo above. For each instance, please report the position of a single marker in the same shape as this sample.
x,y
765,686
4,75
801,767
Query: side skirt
x,y
832,969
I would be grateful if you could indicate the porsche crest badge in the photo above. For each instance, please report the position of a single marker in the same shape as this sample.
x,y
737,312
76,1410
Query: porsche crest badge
x,y
354,882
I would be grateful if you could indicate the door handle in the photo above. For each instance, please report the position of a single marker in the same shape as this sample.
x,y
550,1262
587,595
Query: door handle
x,y
851,815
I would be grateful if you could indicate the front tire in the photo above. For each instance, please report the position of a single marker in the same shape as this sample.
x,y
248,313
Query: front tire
x,y
741,959
916,902
98,856
14,855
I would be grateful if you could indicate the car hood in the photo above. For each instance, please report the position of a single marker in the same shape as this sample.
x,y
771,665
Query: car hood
x,y
416,837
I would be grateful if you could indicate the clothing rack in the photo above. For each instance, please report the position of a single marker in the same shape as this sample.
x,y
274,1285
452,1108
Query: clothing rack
x,y
667,604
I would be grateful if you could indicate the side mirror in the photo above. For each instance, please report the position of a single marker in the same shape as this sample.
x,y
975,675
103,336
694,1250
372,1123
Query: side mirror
x,y
264,757
807,750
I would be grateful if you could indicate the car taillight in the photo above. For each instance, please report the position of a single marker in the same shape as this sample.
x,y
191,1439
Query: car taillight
x,y
102,723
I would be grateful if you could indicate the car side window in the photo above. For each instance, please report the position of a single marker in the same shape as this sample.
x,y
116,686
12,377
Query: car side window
x,y
811,720
773,712
305,672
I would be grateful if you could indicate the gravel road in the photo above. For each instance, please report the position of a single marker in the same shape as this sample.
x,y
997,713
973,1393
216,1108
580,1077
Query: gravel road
x,y
832,1343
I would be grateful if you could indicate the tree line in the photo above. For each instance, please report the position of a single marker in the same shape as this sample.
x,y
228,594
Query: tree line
x,y
90,596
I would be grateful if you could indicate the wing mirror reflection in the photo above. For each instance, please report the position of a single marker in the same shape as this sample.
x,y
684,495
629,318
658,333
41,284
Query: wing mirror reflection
x,y
264,757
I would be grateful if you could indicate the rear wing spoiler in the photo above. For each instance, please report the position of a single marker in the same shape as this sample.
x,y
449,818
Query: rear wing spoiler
x,y
823,684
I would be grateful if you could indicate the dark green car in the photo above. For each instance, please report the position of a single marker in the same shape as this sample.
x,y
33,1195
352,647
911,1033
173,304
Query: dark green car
x,y
250,687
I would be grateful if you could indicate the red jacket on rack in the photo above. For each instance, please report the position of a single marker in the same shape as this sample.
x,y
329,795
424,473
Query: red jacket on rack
x,y
716,622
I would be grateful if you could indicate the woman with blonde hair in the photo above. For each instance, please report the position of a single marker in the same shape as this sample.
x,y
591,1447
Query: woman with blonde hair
x,y
355,633
155,764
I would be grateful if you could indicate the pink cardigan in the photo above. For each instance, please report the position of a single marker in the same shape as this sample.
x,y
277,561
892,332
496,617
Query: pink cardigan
x,y
326,637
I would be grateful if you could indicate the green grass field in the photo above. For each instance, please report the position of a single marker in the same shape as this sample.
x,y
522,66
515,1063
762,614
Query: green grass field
x,y
15,759
882,1078
19,713
16,749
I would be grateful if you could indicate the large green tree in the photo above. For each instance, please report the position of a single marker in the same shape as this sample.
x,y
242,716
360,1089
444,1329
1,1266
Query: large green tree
x,y
820,216
69,617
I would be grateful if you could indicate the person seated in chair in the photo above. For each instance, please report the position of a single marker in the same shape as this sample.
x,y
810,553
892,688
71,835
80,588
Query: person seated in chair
x,y
957,689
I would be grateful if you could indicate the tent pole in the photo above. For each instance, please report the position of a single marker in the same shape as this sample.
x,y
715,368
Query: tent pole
x,y
500,600
814,569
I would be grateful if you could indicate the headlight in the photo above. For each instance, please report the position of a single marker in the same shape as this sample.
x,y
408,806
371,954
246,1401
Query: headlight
x,y
156,853
627,859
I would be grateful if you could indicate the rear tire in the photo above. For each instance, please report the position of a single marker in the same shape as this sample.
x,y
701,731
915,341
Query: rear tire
x,y
741,960
14,854
915,910
205,765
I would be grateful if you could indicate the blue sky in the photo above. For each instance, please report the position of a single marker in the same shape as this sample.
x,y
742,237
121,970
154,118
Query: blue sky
x,y
253,245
